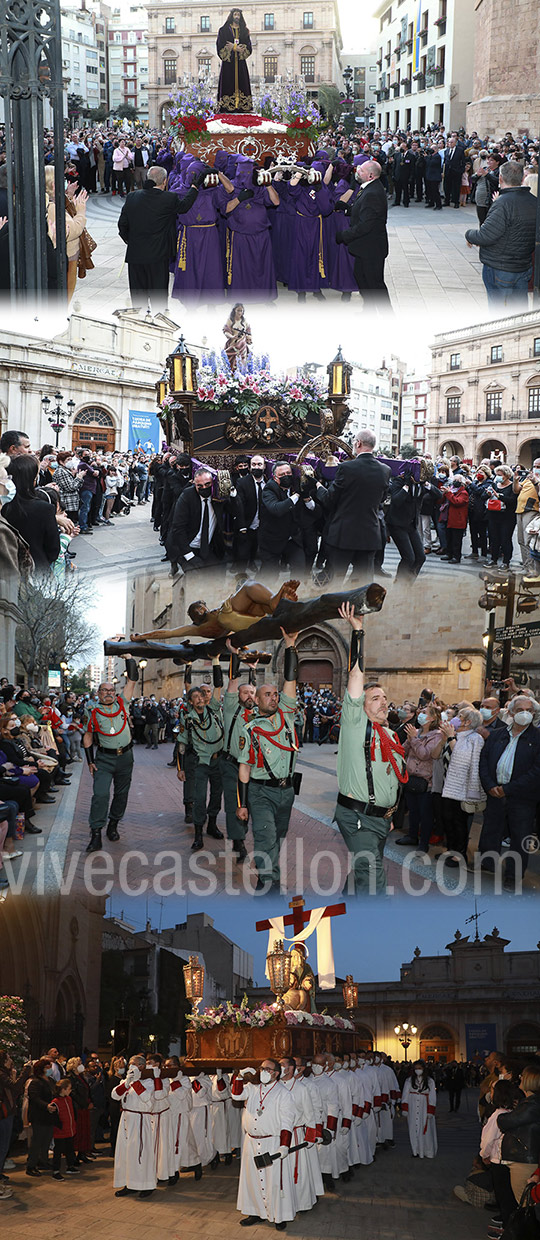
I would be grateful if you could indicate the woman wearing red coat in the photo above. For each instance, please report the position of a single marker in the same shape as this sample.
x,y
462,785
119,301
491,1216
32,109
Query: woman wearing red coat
x,y
458,512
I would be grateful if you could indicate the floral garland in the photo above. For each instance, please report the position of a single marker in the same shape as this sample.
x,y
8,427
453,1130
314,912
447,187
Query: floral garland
x,y
13,1029
192,111
241,1014
252,384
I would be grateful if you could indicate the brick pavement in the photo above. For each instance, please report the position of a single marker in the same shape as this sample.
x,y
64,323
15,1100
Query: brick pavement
x,y
429,262
397,1198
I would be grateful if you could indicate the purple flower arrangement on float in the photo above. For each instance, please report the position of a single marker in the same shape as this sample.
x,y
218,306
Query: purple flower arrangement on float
x,y
256,1018
252,383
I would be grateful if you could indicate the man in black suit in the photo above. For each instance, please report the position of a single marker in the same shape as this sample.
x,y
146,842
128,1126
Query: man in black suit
x,y
353,532
195,537
367,238
280,536
147,224
510,774
250,490
454,167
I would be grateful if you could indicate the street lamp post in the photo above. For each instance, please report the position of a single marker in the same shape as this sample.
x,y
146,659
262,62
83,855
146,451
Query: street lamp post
x,y
402,1032
57,417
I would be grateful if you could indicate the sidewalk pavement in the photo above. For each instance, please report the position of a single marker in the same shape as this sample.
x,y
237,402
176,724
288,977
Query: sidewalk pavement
x,y
396,1198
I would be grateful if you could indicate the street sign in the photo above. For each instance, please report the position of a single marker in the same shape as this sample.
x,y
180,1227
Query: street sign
x,y
532,629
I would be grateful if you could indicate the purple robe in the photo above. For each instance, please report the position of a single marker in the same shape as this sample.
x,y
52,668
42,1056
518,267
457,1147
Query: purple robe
x,y
342,275
309,267
283,225
249,258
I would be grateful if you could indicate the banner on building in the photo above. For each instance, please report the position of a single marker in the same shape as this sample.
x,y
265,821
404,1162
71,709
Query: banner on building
x,y
480,1039
144,431
416,44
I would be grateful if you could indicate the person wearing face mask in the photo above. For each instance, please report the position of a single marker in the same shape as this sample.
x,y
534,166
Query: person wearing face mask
x,y
195,538
501,503
419,1103
462,792
181,1105
250,488
307,1173
490,711
352,534
80,1096
135,1161
327,1100
478,530
346,1148
280,535
510,775
177,477
115,1076
268,1122
527,490
200,1119
422,747
41,1120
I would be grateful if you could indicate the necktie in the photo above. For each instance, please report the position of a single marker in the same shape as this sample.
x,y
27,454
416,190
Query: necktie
x,y
259,493
204,530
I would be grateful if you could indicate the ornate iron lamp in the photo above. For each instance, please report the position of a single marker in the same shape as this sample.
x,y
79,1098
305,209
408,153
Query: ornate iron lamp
x,y
194,982
179,381
162,388
350,993
279,971
402,1033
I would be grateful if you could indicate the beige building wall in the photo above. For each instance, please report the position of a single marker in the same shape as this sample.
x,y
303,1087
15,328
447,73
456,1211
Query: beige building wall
x,y
506,82
445,62
485,390
187,33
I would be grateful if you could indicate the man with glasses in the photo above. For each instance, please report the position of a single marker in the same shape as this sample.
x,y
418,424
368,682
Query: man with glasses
x,y
108,748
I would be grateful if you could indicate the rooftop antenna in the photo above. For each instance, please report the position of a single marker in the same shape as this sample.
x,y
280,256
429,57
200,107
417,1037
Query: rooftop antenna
x,y
475,917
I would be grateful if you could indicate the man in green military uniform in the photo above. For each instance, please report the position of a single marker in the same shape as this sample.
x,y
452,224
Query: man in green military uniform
x,y
271,748
238,709
184,757
108,749
370,768
204,734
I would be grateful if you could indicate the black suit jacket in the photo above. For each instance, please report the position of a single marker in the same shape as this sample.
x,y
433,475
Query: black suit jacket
x,y
186,523
524,784
278,520
368,222
147,223
247,500
456,165
353,503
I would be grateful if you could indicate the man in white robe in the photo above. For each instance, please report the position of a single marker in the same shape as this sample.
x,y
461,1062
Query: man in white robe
x,y
375,1085
418,1103
363,1120
391,1096
221,1106
344,1135
184,1149
235,1121
267,1122
135,1163
328,1093
201,1120
307,1176
162,1121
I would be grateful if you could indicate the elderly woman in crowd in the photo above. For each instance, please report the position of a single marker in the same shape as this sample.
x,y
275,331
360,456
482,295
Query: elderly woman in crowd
x,y
520,1148
501,501
75,225
421,747
462,791
40,1116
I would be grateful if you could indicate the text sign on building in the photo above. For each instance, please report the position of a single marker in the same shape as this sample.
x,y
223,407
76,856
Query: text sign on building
x,y
518,630
480,1039
144,431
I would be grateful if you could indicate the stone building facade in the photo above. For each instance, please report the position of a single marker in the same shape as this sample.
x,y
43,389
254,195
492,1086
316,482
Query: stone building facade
x,y
51,958
485,390
473,997
300,40
506,80
425,63
106,368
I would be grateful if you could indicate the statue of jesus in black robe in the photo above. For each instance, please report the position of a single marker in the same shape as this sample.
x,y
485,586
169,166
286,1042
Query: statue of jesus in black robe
x,y
233,49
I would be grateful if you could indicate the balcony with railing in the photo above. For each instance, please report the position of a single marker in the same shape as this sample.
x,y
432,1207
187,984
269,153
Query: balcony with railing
x,y
438,76
407,85
420,79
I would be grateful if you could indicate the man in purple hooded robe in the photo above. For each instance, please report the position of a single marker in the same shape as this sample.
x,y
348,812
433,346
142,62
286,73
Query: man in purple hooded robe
x,y
199,264
249,258
345,194
309,268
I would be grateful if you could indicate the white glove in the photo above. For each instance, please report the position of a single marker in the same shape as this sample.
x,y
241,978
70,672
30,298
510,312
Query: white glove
x,y
219,1073
283,1151
190,555
247,1072
264,177
156,1070
294,499
133,1072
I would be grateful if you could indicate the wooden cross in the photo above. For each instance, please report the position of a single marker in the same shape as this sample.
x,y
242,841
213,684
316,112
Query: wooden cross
x,y
300,915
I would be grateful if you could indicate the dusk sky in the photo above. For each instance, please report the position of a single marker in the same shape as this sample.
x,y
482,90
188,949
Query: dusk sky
x,y
371,941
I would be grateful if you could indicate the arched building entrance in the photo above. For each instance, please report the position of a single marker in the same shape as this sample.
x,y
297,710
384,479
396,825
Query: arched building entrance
x,y
523,1040
529,452
364,1038
94,428
437,1044
316,672
492,448
451,447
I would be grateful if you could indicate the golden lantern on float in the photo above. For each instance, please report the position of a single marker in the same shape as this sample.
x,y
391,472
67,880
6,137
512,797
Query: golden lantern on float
x,y
182,367
278,963
350,993
162,388
194,981
339,386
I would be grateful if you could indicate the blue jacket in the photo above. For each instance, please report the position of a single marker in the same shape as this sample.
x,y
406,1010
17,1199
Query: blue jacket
x,y
525,782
